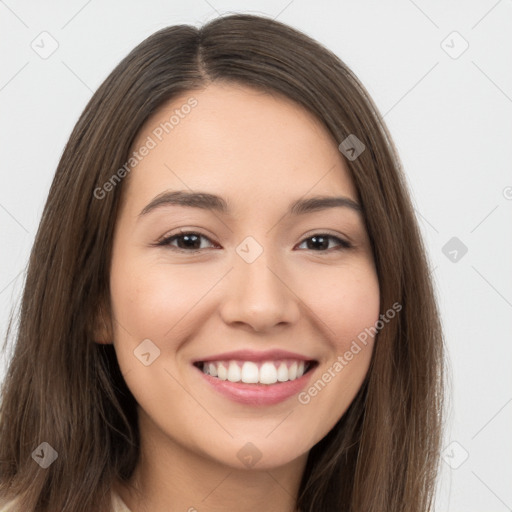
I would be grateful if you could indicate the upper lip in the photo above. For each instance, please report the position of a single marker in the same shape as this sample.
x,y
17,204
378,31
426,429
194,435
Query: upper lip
x,y
251,355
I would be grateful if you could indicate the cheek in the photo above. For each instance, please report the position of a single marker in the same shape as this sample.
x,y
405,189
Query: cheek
x,y
151,301
347,302
348,306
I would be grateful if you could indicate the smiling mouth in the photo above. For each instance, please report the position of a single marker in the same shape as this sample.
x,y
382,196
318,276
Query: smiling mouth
x,y
260,372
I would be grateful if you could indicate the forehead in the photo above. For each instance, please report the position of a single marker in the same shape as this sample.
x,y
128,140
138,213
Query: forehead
x,y
239,142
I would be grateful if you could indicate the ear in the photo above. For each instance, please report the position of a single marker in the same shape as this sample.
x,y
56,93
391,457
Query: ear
x,y
102,331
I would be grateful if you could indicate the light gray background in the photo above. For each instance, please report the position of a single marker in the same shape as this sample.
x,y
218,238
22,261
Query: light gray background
x,y
449,114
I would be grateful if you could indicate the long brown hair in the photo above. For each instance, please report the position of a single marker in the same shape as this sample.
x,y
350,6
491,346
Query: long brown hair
x,y
64,389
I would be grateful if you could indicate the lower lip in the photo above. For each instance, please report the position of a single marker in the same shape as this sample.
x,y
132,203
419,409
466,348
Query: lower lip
x,y
258,394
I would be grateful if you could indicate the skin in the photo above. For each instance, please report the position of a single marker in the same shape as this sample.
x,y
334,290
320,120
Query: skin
x,y
260,152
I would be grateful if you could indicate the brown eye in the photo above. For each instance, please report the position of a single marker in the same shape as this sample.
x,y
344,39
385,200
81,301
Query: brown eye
x,y
321,242
186,241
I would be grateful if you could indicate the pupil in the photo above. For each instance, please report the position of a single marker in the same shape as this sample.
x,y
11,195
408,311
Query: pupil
x,y
323,245
190,241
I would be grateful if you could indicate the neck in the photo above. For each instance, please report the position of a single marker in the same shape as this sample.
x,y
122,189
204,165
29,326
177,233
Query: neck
x,y
171,477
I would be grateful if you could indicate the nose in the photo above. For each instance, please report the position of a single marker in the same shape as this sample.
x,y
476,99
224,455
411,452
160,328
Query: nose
x,y
259,295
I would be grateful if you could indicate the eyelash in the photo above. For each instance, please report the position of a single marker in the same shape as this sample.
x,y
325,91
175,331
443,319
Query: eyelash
x,y
343,244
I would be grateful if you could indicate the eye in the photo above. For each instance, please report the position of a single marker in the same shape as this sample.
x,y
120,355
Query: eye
x,y
190,241
320,242
187,241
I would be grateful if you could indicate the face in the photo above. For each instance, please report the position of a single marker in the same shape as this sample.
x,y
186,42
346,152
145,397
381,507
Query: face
x,y
234,316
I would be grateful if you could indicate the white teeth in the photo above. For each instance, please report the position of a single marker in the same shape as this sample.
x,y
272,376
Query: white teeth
x,y
282,373
292,371
234,373
222,372
249,372
268,373
212,370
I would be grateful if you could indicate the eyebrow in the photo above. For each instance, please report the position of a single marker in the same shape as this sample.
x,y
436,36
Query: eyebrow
x,y
212,202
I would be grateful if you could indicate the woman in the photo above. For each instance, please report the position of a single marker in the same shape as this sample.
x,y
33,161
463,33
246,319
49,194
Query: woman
x,y
228,304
